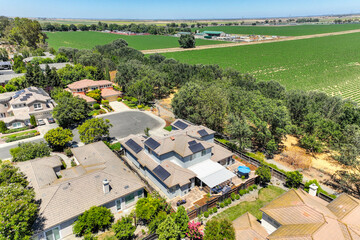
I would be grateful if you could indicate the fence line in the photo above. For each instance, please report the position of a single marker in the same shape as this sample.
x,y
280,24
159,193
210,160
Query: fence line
x,y
274,172
213,202
152,236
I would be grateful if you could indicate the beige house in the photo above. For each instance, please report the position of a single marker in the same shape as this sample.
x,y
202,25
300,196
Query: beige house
x,y
17,107
299,215
99,179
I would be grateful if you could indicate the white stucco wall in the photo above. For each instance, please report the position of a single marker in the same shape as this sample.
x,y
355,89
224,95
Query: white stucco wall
x,y
269,224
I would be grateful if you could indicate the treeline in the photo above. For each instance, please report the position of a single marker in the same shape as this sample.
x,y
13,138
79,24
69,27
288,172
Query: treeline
x,y
135,28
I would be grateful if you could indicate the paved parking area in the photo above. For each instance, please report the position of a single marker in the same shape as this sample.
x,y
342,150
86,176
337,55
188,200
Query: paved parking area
x,y
129,122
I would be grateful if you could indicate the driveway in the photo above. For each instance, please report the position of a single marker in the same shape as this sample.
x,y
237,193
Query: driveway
x,y
129,122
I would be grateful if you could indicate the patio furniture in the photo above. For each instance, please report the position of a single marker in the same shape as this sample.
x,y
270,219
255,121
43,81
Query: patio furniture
x,y
180,202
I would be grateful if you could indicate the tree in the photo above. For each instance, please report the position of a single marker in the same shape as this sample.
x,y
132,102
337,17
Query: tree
x,y
17,204
70,110
29,150
33,121
187,41
311,143
264,173
18,65
58,137
194,231
95,94
141,90
93,220
4,55
182,220
293,179
168,230
219,229
238,129
94,129
147,208
124,228
3,127
26,32
155,222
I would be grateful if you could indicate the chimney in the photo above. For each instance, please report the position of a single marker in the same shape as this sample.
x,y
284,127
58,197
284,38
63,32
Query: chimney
x,y
172,138
313,189
106,186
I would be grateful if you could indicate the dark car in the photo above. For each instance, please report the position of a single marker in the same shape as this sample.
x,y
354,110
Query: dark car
x,y
51,120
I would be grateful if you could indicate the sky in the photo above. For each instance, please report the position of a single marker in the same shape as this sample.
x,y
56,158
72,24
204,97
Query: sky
x,y
172,9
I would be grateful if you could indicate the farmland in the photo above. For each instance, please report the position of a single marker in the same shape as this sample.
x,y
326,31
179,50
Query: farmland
x,y
329,64
88,40
298,30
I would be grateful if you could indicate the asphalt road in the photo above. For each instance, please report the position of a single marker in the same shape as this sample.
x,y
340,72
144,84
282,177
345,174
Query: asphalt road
x,y
124,124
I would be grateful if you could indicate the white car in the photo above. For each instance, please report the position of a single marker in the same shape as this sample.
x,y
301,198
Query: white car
x,y
41,122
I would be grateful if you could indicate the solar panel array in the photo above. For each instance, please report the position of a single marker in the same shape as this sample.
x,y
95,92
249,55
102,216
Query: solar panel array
x,y
133,145
161,173
18,93
192,142
196,147
203,133
180,124
26,97
38,91
151,143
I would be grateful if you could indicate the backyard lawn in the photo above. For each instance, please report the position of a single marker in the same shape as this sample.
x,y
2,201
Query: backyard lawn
x,y
266,195
88,40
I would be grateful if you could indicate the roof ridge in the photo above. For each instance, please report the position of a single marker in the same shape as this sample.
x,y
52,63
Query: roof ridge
x,y
299,196
57,189
248,216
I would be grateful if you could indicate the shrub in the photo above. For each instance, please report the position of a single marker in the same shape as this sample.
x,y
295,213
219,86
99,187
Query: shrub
x,y
233,196
29,150
215,210
293,179
68,152
102,111
64,166
250,188
255,186
73,164
105,102
222,205
3,127
206,214
93,220
124,228
96,106
247,191
210,211
119,99
219,229
237,197
229,201
242,192
264,173
243,177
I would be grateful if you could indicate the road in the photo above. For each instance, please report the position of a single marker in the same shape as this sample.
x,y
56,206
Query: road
x,y
124,124
166,50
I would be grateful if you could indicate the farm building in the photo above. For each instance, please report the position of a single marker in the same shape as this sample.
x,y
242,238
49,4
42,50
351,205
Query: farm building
x,y
179,34
211,34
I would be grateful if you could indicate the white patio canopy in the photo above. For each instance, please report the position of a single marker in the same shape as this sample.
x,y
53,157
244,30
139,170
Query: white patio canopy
x,y
211,173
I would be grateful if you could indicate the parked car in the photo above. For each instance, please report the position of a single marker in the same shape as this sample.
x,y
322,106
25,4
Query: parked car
x,y
41,122
51,120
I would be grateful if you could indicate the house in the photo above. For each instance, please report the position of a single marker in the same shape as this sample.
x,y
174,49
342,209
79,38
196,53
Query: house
x,y
7,75
300,215
99,179
5,65
178,162
17,107
106,87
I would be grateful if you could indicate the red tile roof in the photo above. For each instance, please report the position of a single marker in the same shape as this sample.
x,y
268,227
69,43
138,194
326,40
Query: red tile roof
x,y
107,92
88,83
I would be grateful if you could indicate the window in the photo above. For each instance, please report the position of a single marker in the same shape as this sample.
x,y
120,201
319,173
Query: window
x,y
129,198
53,234
203,152
191,157
140,193
16,124
37,105
2,115
118,204
5,105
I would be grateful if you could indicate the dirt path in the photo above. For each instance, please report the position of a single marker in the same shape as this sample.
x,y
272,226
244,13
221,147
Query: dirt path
x,y
166,50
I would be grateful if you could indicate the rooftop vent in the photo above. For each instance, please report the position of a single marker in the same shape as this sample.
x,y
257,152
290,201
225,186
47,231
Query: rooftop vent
x,y
172,138
106,186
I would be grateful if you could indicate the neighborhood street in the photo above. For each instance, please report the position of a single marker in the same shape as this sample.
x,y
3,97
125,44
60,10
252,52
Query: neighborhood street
x,y
124,123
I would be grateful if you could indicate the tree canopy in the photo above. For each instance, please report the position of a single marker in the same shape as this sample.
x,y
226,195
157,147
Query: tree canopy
x,y
94,129
58,137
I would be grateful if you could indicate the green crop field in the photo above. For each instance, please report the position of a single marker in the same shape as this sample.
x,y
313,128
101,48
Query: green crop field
x,y
330,64
91,39
298,30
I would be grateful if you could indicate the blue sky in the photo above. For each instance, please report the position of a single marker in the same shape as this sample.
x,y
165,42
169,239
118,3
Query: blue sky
x,y
171,9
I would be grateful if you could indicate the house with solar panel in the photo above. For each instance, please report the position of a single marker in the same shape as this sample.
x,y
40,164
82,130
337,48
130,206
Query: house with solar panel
x,y
17,107
181,160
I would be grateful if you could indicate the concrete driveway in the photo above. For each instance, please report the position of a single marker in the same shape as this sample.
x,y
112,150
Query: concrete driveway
x,y
129,122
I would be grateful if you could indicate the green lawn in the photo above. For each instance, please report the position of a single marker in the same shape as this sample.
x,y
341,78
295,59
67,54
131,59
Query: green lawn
x,y
89,40
266,195
298,30
329,64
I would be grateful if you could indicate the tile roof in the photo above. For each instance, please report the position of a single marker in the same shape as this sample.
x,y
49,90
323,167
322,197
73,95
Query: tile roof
x,y
107,92
88,83
303,216
247,227
80,187
86,98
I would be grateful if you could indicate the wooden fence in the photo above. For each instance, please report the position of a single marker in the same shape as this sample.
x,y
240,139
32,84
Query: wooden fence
x,y
218,199
151,236
274,172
